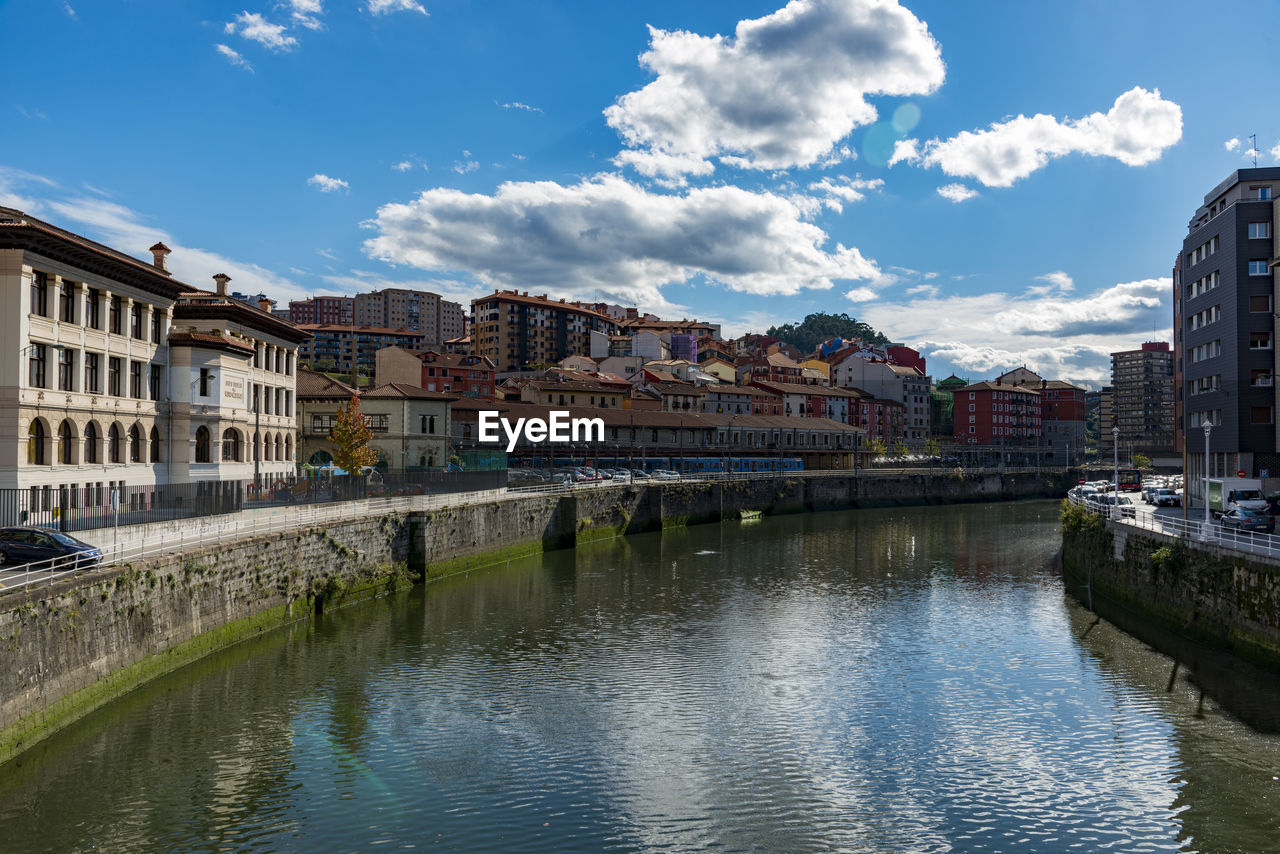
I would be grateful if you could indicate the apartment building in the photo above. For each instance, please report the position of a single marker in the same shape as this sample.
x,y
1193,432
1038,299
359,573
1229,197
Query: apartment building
x,y
451,373
519,332
1226,309
335,311
1142,400
989,413
120,375
348,349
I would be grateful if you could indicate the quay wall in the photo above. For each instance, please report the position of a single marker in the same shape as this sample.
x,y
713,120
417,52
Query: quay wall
x,y
1221,597
75,645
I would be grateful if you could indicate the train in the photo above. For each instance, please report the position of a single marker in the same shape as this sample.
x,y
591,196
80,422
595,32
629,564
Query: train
x,y
684,465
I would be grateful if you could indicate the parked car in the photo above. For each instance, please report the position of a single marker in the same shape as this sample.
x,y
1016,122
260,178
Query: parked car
x,y
1107,504
1166,497
1149,493
29,545
639,474
1240,519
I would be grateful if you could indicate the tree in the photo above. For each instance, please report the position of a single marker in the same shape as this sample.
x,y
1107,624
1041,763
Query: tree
x,y
932,446
819,327
351,436
877,446
1141,461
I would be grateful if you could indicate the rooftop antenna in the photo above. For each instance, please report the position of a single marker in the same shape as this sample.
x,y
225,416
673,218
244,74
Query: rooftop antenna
x,y
1253,148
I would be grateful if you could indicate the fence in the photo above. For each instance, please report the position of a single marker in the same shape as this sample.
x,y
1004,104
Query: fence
x,y
1192,530
86,508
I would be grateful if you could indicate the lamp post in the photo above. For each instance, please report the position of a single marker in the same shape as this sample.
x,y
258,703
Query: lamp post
x,y
1115,484
1207,426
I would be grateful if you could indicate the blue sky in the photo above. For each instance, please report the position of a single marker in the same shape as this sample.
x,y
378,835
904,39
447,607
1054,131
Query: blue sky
x,y
996,183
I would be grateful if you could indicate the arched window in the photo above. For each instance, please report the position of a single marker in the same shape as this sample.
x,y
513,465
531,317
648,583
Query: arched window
x,y
91,440
231,446
288,447
36,439
155,445
279,447
135,444
66,443
114,452
257,446
202,444
266,446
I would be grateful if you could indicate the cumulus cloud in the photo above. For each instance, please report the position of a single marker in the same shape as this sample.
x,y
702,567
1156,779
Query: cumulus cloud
x,y
305,13
782,92
1055,281
252,26
904,150
861,295
1056,334
325,184
957,192
922,291
234,57
608,238
386,7
1232,144
1136,130
844,189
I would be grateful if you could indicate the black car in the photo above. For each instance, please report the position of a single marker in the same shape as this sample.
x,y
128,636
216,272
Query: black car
x,y
29,545
1249,520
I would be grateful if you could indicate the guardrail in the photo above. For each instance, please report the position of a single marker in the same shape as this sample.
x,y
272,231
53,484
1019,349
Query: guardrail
x,y
1192,530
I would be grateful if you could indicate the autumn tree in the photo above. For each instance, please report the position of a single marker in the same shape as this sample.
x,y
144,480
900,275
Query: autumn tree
x,y
351,436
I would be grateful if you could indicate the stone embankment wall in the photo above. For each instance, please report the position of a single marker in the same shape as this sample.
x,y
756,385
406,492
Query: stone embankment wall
x,y
1222,597
72,646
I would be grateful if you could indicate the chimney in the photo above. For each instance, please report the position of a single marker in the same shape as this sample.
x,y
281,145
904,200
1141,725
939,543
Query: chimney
x,y
158,253
265,304
222,279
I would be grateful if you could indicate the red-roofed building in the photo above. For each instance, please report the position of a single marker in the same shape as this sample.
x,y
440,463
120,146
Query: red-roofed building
x,y
988,413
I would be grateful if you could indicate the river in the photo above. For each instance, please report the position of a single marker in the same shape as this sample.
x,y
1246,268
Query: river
x,y
888,680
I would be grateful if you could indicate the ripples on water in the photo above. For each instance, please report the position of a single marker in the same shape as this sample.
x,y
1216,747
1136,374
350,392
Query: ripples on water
x,y
908,680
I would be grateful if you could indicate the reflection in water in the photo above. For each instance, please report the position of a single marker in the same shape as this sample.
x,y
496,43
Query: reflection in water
x,y
908,680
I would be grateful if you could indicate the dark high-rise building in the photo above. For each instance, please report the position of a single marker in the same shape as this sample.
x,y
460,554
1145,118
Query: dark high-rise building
x,y
1225,305
1142,401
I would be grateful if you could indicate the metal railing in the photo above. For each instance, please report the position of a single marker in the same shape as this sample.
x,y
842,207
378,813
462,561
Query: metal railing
x,y
1192,530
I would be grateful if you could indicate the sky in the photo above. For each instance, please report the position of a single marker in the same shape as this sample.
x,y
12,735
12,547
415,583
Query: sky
x,y
994,183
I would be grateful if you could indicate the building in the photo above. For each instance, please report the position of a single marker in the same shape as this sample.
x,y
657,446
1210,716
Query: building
x,y
1225,305
1106,421
993,413
940,405
118,375
518,332
448,373
1062,414
338,311
348,349
1142,401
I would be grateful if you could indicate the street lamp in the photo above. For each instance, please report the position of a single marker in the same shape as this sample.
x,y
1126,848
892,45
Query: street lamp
x,y
1207,426
1115,485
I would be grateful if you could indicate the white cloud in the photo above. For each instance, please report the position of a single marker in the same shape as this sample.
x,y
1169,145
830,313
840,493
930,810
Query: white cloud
x,y
608,238
1136,130
1249,154
305,12
516,105
402,166
32,113
1232,144
234,57
14,184
861,295
325,184
462,167
923,291
327,253
519,157
1275,152
71,13
1055,281
844,189
957,192
904,150
783,91
386,7
252,26
1056,334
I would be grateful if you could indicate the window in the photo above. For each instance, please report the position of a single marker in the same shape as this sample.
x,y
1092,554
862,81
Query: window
x,y
1259,340
155,325
1260,378
1260,414
202,444
1258,268
36,437
91,372
1204,318
321,425
114,320
154,445
93,309
1264,193
204,382
230,446
153,381
266,447
1206,351
1259,230
115,366
1204,385
67,302
378,423
135,380
66,370
66,443
1260,303
135,444
135,320
114,452
40,293
91,439
972,407
36,366
278,448
428,424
